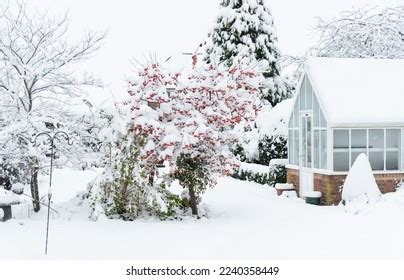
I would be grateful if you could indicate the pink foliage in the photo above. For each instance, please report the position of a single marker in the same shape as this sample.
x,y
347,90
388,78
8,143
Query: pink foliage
x,y
198,118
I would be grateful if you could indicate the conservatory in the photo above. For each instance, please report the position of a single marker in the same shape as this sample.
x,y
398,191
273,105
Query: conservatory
x,y
345,107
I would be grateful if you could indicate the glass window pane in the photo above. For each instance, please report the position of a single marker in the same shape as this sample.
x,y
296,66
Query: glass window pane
x,y
296,147
323,122
309,159
341,161
290,149
304,137
401,150
316,112
296,113
324,149
358,139
302,95
376,160
309,95
392,138
341,139
392,160
291,121
316,148
354,155
376,138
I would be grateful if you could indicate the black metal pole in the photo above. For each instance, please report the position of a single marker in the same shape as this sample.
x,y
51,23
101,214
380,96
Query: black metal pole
x,y
52,155
49,196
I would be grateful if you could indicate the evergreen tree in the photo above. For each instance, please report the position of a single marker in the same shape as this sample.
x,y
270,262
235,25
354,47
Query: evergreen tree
x,y
244,30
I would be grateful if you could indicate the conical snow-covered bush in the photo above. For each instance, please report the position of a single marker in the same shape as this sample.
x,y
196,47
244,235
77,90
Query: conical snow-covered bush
x,y
360,188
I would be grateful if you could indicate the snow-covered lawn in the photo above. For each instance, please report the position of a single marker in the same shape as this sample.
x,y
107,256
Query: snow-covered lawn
x,y
247,220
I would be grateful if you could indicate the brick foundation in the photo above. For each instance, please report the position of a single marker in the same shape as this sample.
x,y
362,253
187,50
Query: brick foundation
x,y
331,185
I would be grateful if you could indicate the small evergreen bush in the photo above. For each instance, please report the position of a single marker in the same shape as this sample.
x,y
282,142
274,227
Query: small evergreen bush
x,y
276,174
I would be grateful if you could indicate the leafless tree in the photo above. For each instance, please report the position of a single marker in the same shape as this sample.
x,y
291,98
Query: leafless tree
x,y
362,33
38,78
37,58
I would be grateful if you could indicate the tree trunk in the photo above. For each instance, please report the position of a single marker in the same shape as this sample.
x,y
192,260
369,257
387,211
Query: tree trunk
x,y
192,200
34,185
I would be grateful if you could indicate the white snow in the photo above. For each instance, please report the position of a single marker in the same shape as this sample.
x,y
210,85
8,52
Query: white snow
x,y
250,215
343,84
9,198
274,121
270,122
284,186
278,161
360,186
253,167
314,194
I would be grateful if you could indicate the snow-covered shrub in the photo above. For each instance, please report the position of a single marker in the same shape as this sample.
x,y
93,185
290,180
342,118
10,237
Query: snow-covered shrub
x,y
123,191
360,188
193,128
248,175
272,147
268,139
261,174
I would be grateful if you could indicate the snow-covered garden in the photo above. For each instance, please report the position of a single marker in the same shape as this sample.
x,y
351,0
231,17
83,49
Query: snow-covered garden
x,y
185,164
244,220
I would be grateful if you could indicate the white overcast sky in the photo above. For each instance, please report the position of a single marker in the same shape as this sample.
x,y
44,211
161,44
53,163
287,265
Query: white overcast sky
x,y
170,27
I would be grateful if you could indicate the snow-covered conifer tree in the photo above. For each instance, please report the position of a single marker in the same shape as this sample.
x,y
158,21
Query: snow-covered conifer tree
x,y
244,31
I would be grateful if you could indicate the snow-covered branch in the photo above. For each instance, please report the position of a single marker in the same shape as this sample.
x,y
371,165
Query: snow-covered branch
x,y
37,58
364,33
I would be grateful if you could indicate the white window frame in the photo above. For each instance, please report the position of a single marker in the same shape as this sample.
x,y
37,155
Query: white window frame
x,y
302,86
400,147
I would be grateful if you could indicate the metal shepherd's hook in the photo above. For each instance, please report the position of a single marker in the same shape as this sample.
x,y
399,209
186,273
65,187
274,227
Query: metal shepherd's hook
x,y
51,139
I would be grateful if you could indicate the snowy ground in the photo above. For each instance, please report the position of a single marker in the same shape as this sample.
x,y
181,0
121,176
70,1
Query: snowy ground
x,y
248,221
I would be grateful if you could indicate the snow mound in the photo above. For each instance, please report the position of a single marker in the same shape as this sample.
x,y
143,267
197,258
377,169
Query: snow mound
x,y
360,188
9,198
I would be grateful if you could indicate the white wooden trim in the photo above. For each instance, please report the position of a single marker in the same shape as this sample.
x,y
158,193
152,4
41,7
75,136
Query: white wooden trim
x,y
330,148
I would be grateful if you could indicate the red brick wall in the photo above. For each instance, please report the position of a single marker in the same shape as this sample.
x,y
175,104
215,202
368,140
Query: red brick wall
x,y
331,185
292,176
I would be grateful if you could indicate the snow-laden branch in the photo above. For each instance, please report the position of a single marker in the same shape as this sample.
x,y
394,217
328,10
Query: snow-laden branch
x,y
37,57
362,33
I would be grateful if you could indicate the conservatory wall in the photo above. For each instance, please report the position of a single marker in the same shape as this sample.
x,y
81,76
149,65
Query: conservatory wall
x,y
307,113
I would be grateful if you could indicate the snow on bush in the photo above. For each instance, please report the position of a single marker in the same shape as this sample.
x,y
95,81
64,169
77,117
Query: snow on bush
x,y
9,198
261,174
268,139
360,188
122,191
191,128
194,127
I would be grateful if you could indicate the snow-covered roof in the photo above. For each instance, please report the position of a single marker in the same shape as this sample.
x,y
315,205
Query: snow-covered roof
x,y
359,92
